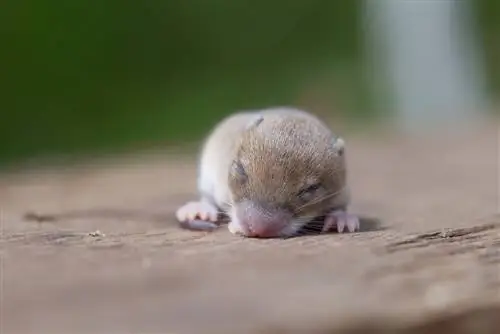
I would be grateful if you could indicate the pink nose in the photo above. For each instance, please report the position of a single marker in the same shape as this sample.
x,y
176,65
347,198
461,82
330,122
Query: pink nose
x,y
259,221
263,229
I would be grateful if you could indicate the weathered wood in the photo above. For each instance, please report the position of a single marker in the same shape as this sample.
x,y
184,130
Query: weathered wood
x,y
436,265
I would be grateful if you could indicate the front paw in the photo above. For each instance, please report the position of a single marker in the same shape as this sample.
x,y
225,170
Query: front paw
x,y
340,220
197,210
235,228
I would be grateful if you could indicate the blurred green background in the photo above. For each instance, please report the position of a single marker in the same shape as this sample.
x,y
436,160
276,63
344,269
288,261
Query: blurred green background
x,y
103,76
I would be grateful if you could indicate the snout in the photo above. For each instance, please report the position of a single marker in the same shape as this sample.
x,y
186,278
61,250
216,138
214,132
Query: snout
x,y
259,221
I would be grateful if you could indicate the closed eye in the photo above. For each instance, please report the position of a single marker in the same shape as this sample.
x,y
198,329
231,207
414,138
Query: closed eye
x,y
239,170
306,193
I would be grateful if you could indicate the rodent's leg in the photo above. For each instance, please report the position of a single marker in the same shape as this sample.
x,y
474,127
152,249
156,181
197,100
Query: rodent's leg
x,y
202,209
341,219
201,214
198,215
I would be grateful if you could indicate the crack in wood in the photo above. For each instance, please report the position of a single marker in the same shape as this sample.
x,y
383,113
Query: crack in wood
x,y
428,238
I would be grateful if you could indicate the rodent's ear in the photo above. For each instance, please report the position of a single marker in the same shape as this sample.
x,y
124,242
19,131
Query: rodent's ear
x,y
254,122
339,145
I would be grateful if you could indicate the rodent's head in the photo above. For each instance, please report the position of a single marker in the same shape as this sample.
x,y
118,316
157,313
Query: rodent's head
x,y
287,171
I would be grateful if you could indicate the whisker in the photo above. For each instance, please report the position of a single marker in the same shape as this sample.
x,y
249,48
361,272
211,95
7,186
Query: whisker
x,y
321,198
311,225
316,223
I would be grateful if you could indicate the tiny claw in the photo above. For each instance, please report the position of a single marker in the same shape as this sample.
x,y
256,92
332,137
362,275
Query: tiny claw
x,y
203,215
330,222
341,220
341,223
353,223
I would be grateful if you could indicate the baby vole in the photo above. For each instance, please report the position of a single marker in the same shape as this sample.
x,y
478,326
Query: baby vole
x,y
272,171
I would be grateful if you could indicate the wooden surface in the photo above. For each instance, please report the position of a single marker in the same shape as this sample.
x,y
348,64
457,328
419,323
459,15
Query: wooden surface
x,y
435,263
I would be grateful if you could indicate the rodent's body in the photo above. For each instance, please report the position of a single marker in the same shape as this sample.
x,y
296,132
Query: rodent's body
x,y
272,171
217,156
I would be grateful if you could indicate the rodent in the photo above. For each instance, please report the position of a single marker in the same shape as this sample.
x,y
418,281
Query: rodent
x,y
272,171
